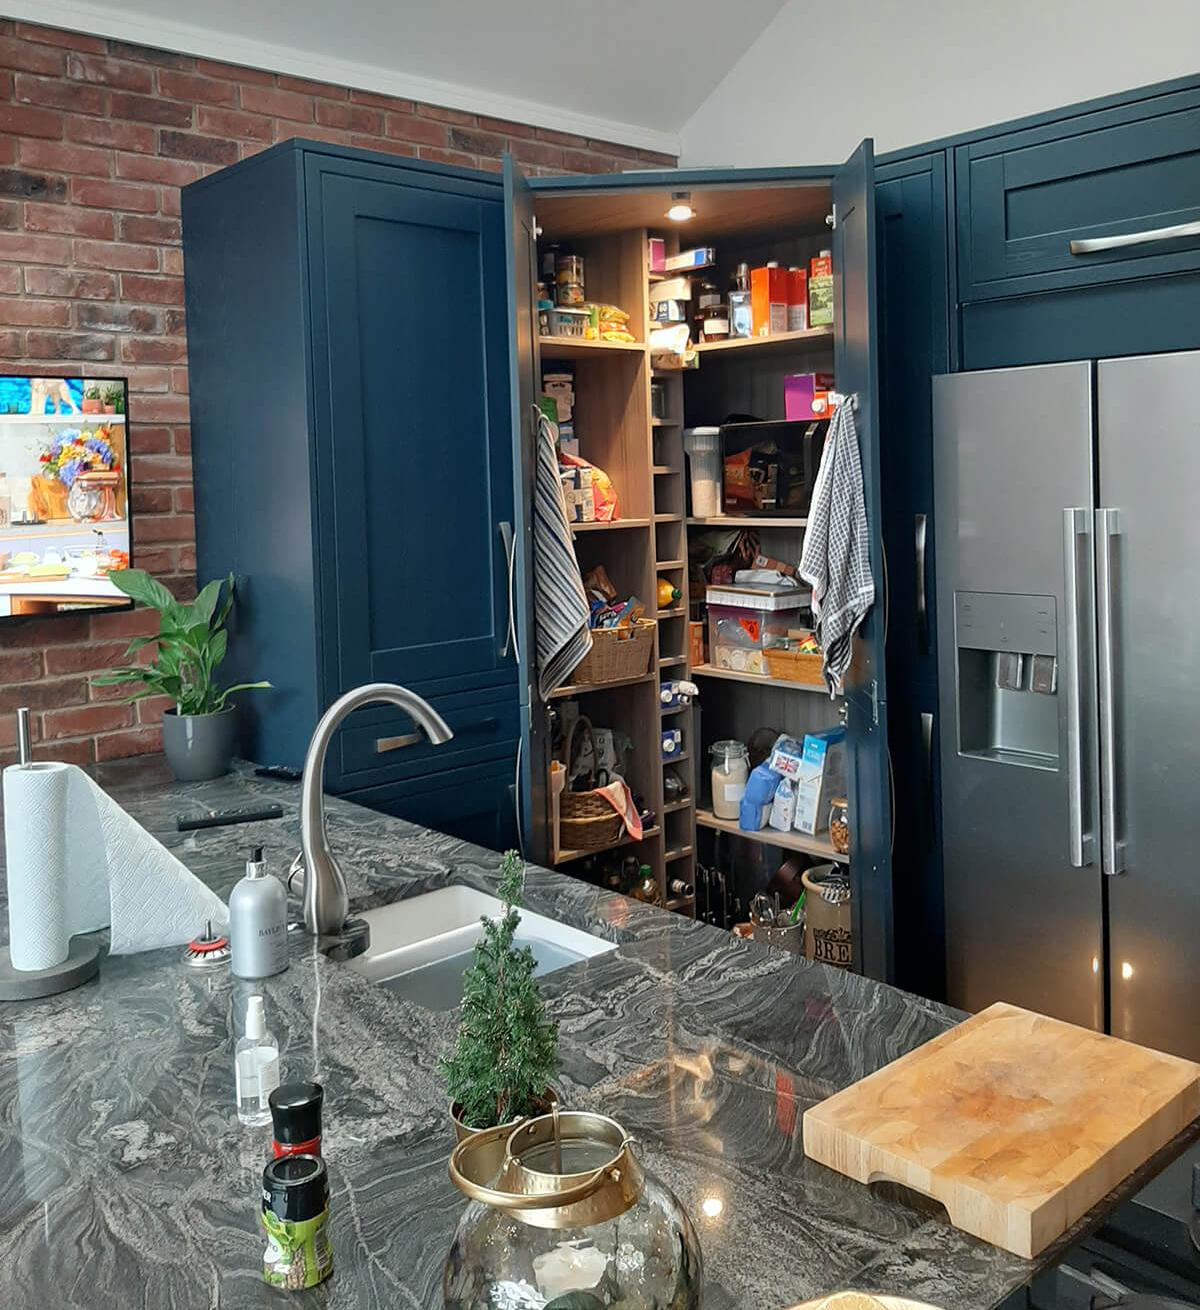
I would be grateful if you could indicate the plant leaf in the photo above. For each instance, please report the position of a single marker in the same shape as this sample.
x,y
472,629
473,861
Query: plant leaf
x,y
138,584
205,603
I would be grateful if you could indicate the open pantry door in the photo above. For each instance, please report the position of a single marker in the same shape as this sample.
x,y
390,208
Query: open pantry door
x,y
856,362
529,786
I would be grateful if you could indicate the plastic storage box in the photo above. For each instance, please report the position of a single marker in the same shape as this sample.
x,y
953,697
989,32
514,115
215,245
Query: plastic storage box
x,y
744,622
703,446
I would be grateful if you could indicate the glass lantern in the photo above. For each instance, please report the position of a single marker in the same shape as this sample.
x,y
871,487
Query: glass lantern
x,y
563,1217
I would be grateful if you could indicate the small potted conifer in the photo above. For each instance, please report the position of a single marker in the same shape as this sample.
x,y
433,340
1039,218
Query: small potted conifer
x,y
506,1049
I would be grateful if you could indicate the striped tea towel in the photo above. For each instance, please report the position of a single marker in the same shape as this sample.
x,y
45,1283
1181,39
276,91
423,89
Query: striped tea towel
x,y
836,561
561,609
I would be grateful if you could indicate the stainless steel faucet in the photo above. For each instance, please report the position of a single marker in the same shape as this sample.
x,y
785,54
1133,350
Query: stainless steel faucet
x,y
326,900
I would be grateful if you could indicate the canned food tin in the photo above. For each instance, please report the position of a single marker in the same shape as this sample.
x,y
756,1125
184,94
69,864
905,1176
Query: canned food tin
x,y
295,1210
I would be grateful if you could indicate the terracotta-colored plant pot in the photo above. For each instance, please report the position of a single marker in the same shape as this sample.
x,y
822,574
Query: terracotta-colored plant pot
x,y
110,409
92,406
462,1131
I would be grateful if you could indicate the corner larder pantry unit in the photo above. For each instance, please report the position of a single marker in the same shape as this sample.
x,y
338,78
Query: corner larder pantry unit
x,y
365,365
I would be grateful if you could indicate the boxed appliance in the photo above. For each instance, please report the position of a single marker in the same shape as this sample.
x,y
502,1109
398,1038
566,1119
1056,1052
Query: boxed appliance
x,y
822,775
656,254
771,467
744,621
671,288
806,396
820,290
769,300
669,311
701,257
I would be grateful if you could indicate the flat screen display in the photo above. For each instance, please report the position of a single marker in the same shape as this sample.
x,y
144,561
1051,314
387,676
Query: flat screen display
x,y
64,493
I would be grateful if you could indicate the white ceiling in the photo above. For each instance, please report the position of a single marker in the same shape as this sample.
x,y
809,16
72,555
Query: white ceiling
x,y
624,70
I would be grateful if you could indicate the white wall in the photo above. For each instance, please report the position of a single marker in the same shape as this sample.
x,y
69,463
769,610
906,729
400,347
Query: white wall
x,y
826,73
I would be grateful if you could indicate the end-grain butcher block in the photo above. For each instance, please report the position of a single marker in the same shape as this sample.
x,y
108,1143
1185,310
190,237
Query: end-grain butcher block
x,y
1017,1123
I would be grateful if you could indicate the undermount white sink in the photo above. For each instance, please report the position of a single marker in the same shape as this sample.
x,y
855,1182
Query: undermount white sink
x,y
421,947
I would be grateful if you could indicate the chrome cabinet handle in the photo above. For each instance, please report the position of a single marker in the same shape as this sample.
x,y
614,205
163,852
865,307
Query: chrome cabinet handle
x,y
1092,245
1112,849
510,563
921,533
1080,842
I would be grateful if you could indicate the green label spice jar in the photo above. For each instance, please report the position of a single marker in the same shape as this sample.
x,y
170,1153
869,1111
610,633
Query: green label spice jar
x,y
295,1210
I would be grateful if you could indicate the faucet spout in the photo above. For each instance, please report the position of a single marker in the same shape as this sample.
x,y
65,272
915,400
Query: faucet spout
x,y
326,900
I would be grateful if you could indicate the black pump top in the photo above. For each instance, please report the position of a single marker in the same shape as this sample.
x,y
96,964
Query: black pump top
x,y
296,1111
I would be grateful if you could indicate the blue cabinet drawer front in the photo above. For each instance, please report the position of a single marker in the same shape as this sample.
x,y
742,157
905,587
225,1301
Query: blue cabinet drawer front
x,y
1023,199
376,746
474,804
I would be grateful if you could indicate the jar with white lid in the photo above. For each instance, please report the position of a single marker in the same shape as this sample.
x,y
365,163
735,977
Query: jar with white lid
x,y
730,769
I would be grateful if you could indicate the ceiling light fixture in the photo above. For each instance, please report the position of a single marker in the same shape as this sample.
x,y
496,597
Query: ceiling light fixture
x,y
681,207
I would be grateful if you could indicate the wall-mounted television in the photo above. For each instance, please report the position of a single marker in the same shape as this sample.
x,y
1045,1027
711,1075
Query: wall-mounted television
x,y
64,493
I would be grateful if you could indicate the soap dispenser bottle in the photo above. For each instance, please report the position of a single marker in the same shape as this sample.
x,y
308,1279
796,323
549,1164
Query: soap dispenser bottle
x,y
258,939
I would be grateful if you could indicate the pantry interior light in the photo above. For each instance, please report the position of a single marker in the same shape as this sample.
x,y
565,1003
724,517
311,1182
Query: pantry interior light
x,y
681,207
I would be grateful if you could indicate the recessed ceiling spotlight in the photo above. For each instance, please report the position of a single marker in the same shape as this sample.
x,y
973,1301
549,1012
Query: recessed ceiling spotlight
x,y
681,207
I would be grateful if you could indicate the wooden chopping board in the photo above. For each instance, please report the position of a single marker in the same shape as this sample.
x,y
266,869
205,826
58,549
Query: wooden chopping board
x,y
1017,1123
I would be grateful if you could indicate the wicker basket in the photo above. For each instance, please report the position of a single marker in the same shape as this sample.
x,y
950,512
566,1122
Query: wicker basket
x,y
792,666
617,653
590,834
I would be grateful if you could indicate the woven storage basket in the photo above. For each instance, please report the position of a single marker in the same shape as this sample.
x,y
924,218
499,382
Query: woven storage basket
x,y
617,653
792,666
586,821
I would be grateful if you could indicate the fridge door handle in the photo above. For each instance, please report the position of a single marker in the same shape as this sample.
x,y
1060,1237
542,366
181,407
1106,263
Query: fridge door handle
x,y
1080,840
920,535
1112,853
509,542
927,780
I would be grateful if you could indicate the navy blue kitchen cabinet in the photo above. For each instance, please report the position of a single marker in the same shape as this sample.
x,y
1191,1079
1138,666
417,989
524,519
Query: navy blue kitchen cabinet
x,y
348,350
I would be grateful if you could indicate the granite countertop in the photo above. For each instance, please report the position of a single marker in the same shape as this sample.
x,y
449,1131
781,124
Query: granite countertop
x,y
126,1179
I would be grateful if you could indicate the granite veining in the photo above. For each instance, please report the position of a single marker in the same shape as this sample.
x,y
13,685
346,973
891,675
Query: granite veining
x,y
127,1181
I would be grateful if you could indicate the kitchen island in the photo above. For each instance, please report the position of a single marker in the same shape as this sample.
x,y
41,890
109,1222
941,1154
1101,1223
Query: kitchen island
x,y
126,1179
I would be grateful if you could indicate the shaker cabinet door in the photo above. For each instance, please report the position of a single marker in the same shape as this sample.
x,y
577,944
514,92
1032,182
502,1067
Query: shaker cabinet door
x,y
413,450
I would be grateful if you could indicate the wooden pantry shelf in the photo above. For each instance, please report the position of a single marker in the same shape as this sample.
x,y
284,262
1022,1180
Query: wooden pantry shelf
x,y
677,613
671,661
580,347
673,709
582,689
666,422
777,341
676,759
671,807
610,527
747,521
680,903
791,841
669,564
667,518
661,470
565,857
756,679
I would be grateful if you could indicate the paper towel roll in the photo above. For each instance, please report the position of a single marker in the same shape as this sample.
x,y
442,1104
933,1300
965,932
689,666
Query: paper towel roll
x,y
77,862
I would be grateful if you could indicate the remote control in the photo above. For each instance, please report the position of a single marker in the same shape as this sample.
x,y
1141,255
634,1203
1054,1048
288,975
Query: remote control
x,y
222,818
284,772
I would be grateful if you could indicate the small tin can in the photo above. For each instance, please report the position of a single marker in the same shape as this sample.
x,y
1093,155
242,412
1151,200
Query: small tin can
x,y
295,1211
569,293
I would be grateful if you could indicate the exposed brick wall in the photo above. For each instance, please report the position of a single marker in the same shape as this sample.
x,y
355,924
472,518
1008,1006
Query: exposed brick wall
x,y
96,138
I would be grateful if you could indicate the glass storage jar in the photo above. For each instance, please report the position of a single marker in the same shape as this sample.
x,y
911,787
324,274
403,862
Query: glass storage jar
x,y
839,825
562,1214
730,769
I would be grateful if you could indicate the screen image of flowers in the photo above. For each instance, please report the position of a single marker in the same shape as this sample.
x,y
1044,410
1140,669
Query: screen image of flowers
x,y
73,452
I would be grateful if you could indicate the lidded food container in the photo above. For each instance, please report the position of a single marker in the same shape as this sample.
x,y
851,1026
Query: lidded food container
x,y
744,622
703,446
839,825
730,770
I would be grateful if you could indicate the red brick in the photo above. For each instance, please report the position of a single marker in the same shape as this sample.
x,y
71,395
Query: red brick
x,y
151,500
149,54
145,440
10,215
174,322
150,709
381,143
507,128
161,468
194,88
377,101
408,127
150,109
24,120
156,350
34,313
657,157
124,745
447,157
73,345
112,255
111,132
157,560
80,720
631,153
10,278
8,149
354,118
41,695
232,122
185,499
101,317
179,380
12,345
203,149
67,219
307,87
56,36
125,623
148,377
306,132
538,152
85,658
19,665
187,557
234,72
170,172
60,158
164,527
71,283
154,290
169,202
476,143
110,72
173,262
54,93
584,161
32,57
16,182
55,632
447,115
82,752
114,195
560,138
160,409
34,249
152,231
278,103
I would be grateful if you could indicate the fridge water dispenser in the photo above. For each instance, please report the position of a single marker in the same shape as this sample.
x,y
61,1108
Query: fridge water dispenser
x,y
1007,648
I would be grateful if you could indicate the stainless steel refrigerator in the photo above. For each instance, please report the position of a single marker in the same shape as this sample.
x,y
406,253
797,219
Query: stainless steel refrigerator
x,y
1067,512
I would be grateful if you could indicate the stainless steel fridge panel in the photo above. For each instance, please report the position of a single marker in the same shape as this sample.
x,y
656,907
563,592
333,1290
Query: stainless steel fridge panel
x,y
1149,444
1013,451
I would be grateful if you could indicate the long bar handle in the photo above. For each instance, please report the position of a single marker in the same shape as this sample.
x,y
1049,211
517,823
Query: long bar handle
x,y
1076,524
921,536
1112,849
509,542
1093,245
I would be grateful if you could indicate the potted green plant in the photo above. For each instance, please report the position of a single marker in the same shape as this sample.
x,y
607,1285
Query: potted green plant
x,y
199,731
114,399
93,402
506,1050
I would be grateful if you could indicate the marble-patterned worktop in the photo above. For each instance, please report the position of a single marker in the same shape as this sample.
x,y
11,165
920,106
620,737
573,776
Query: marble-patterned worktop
x,y
126,1180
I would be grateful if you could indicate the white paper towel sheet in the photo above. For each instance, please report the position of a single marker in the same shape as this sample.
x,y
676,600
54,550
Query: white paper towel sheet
x,y
77,862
